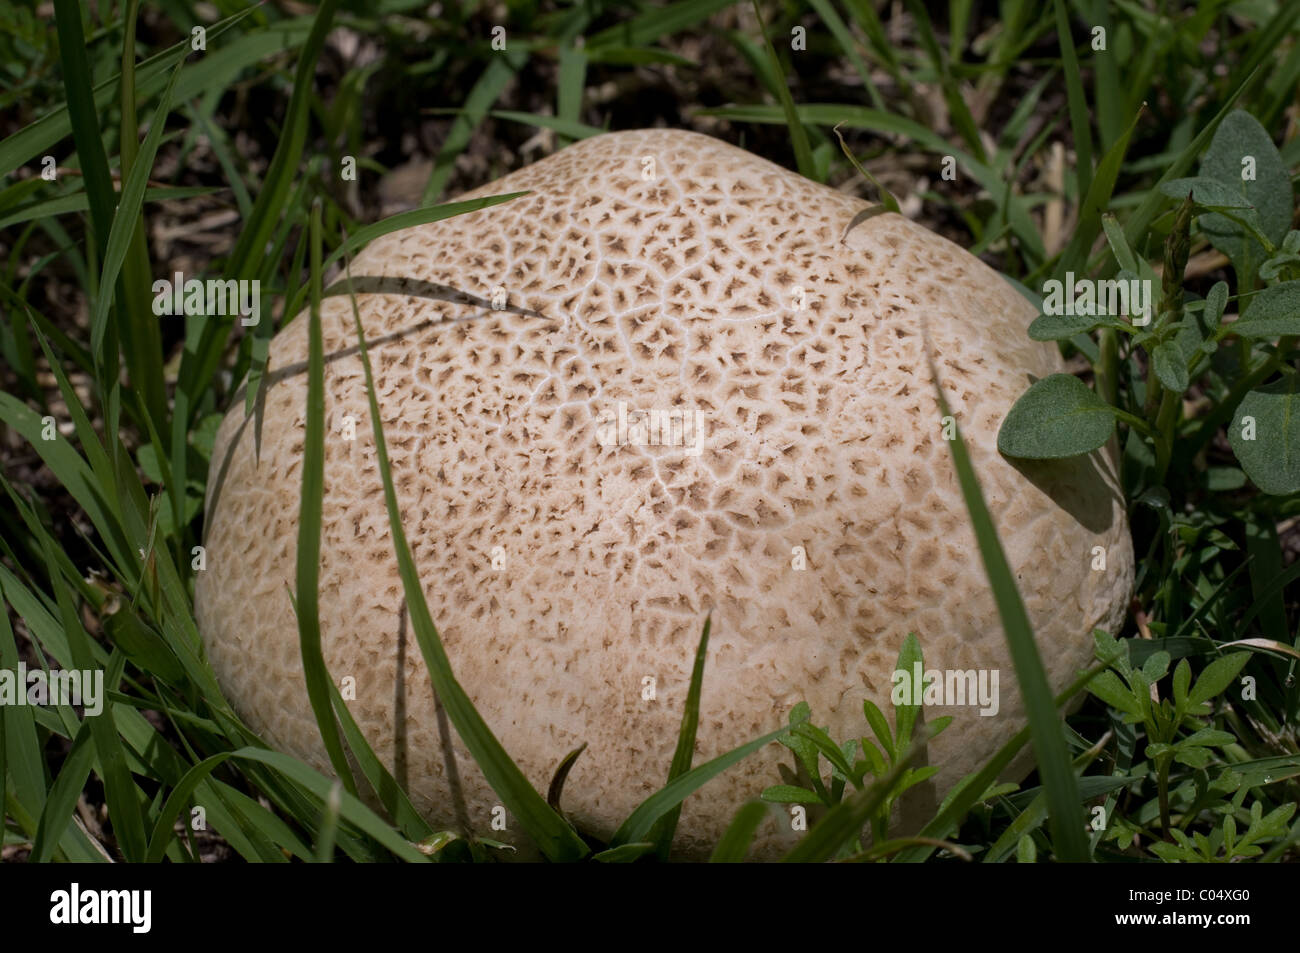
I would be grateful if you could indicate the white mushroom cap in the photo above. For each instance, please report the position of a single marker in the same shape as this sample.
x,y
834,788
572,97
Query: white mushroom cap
x,y
821,430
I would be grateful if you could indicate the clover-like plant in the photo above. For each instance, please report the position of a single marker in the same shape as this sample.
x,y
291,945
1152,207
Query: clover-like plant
x,y
1175,727
1222,845
1242,203
810,744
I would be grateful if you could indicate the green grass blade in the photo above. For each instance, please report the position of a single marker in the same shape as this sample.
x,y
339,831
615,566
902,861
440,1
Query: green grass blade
x,y
572,81
1095,204
56,815
309,527
798,134
93,449
1049,741
385,786
22,747
77,202
662,834
958,111
845,820
1140,221
860,117
177,798
828,15
1266,563
33,140
73,473
1108,93
1265,41
735,842
260,346
969,791
329,828
120,791
625,853
1077,101
640,822
284,164
141,336
566,128
481,98
550,831
84,119
124,223
647,28
362,236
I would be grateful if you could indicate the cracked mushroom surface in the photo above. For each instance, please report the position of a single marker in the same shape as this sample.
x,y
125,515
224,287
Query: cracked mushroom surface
x,y
570,550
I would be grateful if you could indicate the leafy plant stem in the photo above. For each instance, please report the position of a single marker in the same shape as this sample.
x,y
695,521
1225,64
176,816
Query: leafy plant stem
x,y
1165,419
1134,421
1108,367
1163,763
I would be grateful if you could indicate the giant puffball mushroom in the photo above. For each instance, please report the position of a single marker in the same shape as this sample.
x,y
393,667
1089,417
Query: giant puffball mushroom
x,y
570,550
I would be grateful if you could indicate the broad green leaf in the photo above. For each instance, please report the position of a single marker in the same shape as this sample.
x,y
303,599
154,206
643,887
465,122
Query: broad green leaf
x,y
1206,192
1156,665
1209,737
1193,757
1242,157
1272,313
1026,852
1119,245
1059,416
829,750
1287,257
1215,304
876,719
1265,436
1182,681
1171,366
1114,693
1216,677
1062,327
